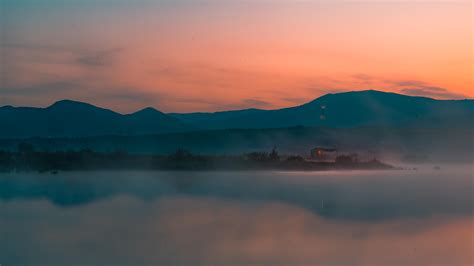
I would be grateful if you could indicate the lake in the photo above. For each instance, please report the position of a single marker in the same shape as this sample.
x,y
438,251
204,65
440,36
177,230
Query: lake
x,y
402,217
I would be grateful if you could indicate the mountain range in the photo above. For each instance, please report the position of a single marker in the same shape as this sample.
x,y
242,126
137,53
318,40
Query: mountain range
x,y
68,118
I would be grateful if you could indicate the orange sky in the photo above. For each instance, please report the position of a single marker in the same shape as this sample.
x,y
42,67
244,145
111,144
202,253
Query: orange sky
x,y
215,55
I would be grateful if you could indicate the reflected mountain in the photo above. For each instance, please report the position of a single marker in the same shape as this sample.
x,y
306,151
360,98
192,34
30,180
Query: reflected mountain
x,y
355,195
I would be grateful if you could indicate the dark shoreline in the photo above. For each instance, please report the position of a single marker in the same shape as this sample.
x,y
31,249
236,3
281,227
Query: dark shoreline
x,y
86,160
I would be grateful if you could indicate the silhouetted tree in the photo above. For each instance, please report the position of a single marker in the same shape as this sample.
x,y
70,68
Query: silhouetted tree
x,y
296,158
344,159
274,155
257,156
181,154
25,148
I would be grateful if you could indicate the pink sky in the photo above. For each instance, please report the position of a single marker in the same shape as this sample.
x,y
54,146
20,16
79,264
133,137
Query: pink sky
x,y
216,55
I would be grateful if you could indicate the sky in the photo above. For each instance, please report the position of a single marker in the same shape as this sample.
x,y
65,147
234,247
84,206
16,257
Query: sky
x,y
193,55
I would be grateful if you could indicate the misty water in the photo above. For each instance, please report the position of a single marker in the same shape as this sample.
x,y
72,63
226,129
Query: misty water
x,y
401,217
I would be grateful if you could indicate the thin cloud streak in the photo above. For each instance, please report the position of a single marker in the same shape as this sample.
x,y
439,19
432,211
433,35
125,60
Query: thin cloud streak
x,y
433,92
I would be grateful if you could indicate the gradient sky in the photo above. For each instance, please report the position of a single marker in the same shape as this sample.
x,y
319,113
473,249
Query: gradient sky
x,y
185,55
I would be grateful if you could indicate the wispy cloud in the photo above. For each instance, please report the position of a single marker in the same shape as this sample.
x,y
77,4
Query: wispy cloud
x,y
98,58
403,83
435,92
421,88
295,100
363,78
256,103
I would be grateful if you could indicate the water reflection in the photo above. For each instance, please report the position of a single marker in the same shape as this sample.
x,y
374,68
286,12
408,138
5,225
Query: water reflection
x,y
248,218
356,195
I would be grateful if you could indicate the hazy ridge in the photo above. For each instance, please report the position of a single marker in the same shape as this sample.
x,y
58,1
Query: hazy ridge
x,y
68,118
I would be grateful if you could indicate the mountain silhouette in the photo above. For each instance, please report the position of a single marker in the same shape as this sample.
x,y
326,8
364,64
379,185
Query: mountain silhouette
x,y
68,118
349,109
152,121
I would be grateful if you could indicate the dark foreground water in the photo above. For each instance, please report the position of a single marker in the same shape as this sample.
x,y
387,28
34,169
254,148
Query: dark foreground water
x,y
422,217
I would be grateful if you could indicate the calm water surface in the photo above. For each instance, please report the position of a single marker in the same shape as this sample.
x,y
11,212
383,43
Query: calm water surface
x,y
422,217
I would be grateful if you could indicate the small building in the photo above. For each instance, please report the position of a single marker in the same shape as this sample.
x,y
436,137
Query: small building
x,y
323,153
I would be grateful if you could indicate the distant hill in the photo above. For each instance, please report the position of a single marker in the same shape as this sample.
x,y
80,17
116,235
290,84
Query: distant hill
x,y
341,110
349,109
76,119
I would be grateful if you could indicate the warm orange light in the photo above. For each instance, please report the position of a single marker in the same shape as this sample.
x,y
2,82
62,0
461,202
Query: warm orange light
x,y
237,54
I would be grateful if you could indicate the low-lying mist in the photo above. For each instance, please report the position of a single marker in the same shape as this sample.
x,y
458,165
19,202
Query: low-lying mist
x,y
355,195
418,144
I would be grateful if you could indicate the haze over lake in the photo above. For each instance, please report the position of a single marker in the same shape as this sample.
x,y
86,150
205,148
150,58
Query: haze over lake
x,y
403,217
236,133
